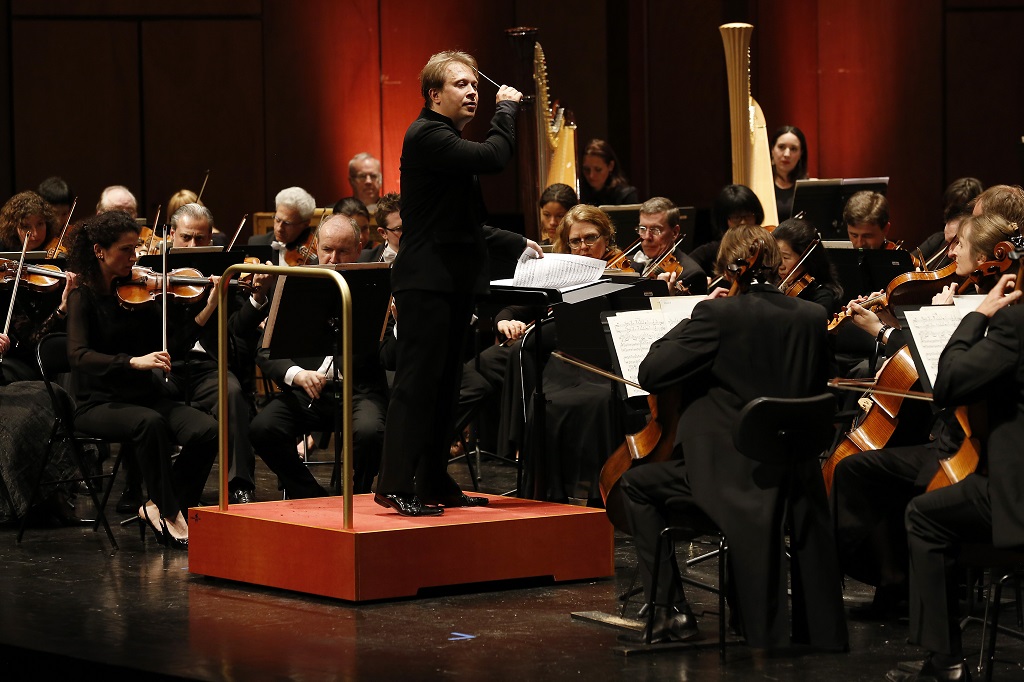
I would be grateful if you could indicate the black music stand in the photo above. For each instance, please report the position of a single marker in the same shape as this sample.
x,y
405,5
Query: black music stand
x,y
208,263
822,201
305,321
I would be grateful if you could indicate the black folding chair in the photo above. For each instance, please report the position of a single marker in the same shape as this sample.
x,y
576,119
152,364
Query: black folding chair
x,y
52,356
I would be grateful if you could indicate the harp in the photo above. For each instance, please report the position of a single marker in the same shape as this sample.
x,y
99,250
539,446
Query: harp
x,y
546,131
751,156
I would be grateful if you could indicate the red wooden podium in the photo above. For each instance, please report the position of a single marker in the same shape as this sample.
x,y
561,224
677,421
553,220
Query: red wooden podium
x,y
302,545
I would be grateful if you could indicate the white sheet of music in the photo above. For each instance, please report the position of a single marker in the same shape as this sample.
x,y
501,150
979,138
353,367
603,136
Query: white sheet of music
x,y
933,325
633,332
676,308
557,271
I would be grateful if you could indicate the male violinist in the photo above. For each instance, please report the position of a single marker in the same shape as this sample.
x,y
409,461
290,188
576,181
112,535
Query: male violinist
x,y
389,226
293,209
117,198
982,358
709,359
866,216
658,232
308,404
440,269
193,379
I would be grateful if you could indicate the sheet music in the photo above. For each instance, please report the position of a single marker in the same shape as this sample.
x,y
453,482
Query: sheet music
x,y
675,309
632,335
557,271
931,327
968,303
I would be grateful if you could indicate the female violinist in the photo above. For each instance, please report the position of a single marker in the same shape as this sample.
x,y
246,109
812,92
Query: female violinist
x,y
38,310
119,366
586,230
816,278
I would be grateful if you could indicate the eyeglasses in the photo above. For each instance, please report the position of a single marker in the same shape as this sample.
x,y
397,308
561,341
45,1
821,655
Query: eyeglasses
x,y
396,229
287,223
655,231
363,177
589,240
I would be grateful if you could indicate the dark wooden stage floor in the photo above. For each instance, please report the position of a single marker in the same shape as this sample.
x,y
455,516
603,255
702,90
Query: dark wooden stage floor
x,y
70,605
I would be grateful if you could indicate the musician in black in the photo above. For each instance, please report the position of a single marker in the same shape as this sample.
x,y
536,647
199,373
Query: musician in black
x,y
659,231
308,404
293,209
440,269
389,226
981,360
709,358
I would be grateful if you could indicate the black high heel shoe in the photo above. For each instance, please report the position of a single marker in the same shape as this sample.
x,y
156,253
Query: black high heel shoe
x,y
170,540
159,533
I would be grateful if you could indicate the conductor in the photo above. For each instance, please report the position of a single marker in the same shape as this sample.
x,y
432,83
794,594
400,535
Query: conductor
x,y
440,268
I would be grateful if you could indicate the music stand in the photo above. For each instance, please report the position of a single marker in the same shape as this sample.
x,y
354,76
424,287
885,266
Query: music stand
x,y
822,201
305,321
206,262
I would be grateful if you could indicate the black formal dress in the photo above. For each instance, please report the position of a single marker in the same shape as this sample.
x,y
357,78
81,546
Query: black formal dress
x,y
731,351
608,196
979,509
128,405
441,267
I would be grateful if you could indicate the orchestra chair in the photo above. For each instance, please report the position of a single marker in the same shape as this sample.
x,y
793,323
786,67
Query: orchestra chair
x,y
1003,566
775,431
52,357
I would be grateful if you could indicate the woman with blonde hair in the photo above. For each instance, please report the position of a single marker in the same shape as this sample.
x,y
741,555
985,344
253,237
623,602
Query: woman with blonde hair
x,y
587,231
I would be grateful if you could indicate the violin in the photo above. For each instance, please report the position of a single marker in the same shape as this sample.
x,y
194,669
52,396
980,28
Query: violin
x,y
38,278
145,285
1002,259
797,286
744,268
621,262
147,236
55,248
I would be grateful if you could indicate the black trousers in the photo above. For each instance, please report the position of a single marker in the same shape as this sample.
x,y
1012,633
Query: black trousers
x,y
153,430
870,492
479,384
937,523
432,329
275,428
195,382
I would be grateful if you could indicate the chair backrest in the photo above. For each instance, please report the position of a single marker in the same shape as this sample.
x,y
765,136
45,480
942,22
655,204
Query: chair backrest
x,y
785,430
52,358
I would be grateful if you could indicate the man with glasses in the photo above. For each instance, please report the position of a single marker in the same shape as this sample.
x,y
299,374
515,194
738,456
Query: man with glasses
x,y
294,209
659,232
389,222
365,177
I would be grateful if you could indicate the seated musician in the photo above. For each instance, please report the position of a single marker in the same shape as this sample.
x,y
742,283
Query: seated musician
x,y
194,376
308,402
554,202
871,489
709,359
982,358
59,195
357,211
114,353
794,237
604,182
35,314
586,230
735,205
659,232
958,199
389,226
293,210
364,175
866,216
117,198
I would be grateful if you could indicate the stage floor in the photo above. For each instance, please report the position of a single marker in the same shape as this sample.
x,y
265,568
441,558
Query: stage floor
x,y
71,606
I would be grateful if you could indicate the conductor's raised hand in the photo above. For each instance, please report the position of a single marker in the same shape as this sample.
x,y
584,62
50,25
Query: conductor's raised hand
x,y
506,93
160,359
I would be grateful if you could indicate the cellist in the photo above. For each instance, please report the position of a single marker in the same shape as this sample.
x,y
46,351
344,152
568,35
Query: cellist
x,y
981,358
709,357
871,489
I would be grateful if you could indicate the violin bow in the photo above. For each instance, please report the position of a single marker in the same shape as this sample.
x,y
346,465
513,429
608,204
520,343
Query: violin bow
x,y
163,289
869,387
199,197
152,232
14,287
63,232
592,368
238,231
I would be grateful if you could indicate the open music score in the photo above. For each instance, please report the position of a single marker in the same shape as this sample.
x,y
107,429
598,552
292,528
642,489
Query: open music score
x,y
933,325
634,331
555,271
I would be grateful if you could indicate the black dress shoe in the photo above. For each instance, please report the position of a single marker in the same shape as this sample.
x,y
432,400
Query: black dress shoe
x,y
669,626
407,505
929,672
460,500
242,496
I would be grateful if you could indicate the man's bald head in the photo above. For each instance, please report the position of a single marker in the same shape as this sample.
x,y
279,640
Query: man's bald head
x,y
118,198
338,241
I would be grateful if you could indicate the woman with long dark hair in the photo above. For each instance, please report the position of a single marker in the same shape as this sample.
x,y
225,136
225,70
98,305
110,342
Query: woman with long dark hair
x,y
118,367
604,181
789,164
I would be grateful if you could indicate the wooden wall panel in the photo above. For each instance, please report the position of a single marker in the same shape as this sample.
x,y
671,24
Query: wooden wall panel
x,y
321,94
880,92
411,31
6,137
134,8
985,96
76,105
201,103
